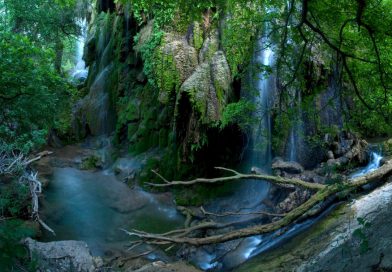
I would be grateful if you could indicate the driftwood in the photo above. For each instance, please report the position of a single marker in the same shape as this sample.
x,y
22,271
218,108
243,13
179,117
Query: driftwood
x,y
308,208
12,164
238,176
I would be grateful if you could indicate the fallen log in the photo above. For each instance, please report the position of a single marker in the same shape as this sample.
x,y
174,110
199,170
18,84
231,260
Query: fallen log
x,y
239,176
323,192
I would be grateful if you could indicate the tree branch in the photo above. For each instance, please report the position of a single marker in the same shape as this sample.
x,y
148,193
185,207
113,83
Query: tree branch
x,y
324,194
238,176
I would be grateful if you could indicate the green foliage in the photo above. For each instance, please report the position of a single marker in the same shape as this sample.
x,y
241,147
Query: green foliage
x,y
13,255
165,12
361,234
90,163
31,94
240,113
240,32
147,51
14,200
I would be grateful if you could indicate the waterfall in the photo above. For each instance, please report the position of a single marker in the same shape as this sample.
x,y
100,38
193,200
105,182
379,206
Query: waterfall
x,y
266,86
297,129
79,72
127,17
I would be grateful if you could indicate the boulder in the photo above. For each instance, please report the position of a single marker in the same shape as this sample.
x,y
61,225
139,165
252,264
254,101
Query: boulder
x,y
208,88
64,256
290,167
174,62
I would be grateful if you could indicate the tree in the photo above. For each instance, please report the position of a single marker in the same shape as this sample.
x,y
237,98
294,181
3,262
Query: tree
x,y
45,22
31,92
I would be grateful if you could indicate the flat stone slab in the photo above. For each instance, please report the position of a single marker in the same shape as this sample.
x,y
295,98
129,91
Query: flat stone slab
x,y
62,256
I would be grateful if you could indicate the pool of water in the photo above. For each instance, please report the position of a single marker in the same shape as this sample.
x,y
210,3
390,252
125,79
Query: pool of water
x,y
93,206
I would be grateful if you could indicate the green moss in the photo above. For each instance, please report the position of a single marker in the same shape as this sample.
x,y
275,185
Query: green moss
x,y
90,163
163,138
387,147
197,36
166,74
131,130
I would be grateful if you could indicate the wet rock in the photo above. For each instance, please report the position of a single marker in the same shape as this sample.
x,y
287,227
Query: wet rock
x,y
293,200
330,155
63,256
160,266
256,170
387,147
127,168
347,151
285,166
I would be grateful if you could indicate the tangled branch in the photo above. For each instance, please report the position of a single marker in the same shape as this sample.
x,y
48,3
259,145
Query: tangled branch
x,y
322,194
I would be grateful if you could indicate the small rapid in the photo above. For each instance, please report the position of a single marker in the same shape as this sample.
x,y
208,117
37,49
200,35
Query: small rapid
x,y
373,165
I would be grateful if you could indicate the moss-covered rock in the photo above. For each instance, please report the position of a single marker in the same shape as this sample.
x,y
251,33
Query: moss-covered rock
x,y
197,36
387,147
210,46
174,61
144,36
208,88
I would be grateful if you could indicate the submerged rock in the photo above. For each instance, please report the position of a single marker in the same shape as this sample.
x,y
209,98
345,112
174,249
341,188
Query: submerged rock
x,y
63,256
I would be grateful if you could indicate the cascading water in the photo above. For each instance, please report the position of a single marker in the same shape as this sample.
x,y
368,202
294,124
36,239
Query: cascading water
x,y
374,163
250,195
297,130
80,72
265,85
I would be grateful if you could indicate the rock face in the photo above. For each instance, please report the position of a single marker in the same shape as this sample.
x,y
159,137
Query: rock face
x,y
346,240
95,113
63,256
290,167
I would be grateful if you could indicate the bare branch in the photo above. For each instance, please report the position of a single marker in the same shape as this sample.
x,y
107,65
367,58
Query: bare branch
x,y
238,176
240,213
186,236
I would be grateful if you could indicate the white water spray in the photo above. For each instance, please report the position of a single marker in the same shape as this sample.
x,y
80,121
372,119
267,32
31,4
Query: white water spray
x,y
373,165
80,72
